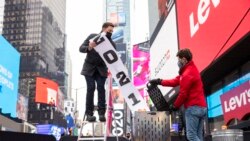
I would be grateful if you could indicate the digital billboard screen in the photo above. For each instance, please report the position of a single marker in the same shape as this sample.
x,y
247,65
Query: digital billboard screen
x,y
211,27
122,52
22,107
118,19
141,58
46,91
214,104
9,75
60,101
50,129
163,60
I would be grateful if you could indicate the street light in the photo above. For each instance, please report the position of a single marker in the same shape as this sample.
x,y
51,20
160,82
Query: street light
x,y
76,110
76,89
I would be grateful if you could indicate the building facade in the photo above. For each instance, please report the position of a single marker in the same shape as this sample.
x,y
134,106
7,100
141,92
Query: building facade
x,y
69,107
68,70
1,14
36,28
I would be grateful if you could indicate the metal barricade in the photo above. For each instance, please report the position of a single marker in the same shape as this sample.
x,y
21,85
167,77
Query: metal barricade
x,y
151,126
228,135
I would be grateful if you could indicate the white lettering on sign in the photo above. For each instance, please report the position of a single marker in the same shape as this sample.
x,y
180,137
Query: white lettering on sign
x,y
202,15
237,101
117,123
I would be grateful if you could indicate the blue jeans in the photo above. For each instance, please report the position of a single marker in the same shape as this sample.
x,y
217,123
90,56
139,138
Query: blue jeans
x,y
194,117
91,86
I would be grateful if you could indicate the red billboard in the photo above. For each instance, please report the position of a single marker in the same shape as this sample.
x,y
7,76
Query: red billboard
x,y
210,27
236,103
46,91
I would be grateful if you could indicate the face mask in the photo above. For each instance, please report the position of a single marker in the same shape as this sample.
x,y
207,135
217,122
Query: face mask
x,y
108,35
180,64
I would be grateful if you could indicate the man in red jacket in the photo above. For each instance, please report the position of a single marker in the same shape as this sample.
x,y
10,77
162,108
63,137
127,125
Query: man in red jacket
x,y
191,94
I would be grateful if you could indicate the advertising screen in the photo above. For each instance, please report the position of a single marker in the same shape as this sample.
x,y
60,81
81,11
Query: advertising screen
x,y
164,7
60,101
46,91
49,129
236,102
118,19
117,96
141,57
121,50
210,27
118,35
163,61
214,104
9,75
116,12
22,107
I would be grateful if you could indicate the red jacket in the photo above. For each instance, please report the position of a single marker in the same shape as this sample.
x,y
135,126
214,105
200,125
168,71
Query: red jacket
x,y
191,88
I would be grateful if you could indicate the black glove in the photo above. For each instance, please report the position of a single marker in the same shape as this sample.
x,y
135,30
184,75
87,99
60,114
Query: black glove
x,y
155,81
172,108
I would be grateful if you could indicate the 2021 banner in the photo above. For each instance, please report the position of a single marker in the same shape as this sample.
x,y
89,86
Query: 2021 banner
x,y
119,72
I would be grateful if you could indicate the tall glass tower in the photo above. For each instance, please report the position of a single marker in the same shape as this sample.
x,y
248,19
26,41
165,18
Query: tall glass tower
x,y
36,28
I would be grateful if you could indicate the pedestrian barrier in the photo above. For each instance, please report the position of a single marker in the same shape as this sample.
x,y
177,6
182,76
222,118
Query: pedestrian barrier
x,y
151,126
228,135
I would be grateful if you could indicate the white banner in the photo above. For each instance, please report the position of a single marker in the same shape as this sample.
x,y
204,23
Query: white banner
x,y
120,74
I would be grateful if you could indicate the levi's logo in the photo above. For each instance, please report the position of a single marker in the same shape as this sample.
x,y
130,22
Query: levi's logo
x,y
236,102
199,17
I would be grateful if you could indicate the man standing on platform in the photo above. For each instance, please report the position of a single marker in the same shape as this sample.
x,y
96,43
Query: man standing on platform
x,y
95,72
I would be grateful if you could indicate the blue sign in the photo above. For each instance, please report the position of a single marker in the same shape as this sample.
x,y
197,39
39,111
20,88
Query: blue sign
x,y
49,129
9,75
70,121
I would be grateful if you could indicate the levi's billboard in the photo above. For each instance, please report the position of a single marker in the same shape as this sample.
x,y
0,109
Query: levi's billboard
x,y
46,91
210,27
236,103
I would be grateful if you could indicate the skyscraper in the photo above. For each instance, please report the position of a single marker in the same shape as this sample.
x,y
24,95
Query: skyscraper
x,y
36,28
1,15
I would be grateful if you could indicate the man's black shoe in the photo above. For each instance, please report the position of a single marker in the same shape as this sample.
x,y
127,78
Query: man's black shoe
x,y
91,118
102,118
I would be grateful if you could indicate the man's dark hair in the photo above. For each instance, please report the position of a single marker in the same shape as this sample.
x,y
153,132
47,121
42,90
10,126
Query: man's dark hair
x,y
107,24
186,53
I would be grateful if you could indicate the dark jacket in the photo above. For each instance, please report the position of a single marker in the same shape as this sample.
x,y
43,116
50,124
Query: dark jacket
x,y
191,88
93,61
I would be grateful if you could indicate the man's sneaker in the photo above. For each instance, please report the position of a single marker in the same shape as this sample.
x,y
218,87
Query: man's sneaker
x,y
91,118
102,118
